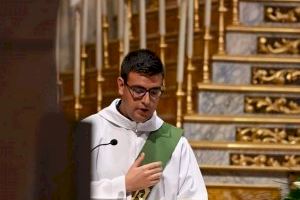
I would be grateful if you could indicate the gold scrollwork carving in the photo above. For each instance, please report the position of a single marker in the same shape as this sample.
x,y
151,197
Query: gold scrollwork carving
x,y
278,45
275,76
282,14
278,105
291,161
265,160
268,135
141,194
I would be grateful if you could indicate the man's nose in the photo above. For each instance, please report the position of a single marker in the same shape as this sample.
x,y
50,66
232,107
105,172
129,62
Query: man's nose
x,y
146,98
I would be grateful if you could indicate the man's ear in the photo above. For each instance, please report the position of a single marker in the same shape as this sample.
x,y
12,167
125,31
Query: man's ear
x,y
121,85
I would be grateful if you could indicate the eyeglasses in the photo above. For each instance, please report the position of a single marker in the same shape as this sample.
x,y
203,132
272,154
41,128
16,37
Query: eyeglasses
x,y
139,92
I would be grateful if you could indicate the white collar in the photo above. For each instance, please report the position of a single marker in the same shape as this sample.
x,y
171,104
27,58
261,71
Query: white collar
x,y
111,114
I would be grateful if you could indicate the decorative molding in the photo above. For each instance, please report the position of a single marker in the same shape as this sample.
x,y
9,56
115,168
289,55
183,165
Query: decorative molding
x,y
278,76
229,119
263,160
268,45
248,88
278,105
268,135
248,169
282,14
220,145
255,59
273,1
263,29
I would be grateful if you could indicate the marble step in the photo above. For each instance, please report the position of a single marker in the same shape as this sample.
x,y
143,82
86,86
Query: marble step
x,y
261,130
243,146
276,44
253,13
249,176
250,101
258,183
218,167
226,191
255,74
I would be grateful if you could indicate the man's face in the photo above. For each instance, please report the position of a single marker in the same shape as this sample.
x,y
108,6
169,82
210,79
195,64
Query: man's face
x,y
135,105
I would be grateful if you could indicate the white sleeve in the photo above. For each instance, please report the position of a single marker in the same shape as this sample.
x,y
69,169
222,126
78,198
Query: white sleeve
x,y
191,183
108,189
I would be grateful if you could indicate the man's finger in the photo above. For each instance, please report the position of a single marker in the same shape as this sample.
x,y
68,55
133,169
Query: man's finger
x,y
139,160
153,165
155,177
154,170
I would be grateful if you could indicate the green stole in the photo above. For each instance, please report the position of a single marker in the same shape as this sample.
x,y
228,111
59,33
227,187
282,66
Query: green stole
x,y
159,146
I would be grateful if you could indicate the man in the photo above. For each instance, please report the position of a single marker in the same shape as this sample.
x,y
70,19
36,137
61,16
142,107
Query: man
x,y
117,171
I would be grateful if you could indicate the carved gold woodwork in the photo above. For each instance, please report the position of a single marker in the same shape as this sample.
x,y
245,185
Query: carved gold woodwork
x,y
261,58
268,135
275,76
278,45
291,161
282,14
242,192
279,105
153,4
265,160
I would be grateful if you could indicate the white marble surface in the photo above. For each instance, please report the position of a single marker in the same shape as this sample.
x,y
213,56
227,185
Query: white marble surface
x,y
241,43
220,103
221,132
222,157
231,103
252,13
246,44
231,73
240,73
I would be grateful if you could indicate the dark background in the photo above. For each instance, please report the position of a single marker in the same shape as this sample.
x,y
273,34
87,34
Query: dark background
x,y
36,143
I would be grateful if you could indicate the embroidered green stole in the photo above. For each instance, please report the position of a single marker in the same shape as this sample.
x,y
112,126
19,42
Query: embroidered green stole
x,y
159,146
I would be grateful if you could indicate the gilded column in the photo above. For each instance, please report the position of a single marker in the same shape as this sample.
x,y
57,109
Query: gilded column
x,y
221,44
206,73
82,70
235,12
105,41
180,95
196,13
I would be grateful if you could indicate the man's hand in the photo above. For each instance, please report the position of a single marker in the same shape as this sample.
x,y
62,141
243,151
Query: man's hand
x,y
140,177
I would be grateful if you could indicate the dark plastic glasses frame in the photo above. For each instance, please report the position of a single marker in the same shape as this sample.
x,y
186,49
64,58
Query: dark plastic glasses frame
x,y
139,92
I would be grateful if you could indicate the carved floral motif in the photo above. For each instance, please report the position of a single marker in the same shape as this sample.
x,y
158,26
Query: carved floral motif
x,y
282,14
268,135
265,160
279,105
278,45
275,76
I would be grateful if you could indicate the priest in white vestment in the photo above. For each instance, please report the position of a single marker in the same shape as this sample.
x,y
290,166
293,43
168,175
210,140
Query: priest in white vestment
x,y
116,169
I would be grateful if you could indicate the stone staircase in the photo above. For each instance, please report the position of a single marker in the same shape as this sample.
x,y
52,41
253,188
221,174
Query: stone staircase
x,y
246,129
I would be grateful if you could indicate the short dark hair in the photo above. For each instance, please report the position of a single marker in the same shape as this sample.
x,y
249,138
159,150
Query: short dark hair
x,y
142,61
